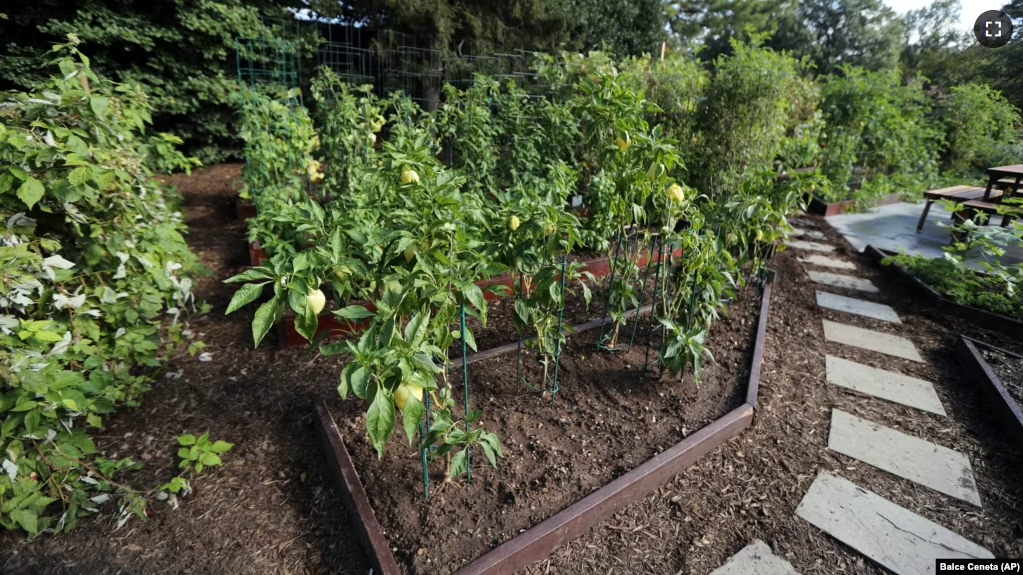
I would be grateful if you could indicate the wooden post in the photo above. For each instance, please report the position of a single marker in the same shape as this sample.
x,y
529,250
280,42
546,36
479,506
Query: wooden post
x,y
663,46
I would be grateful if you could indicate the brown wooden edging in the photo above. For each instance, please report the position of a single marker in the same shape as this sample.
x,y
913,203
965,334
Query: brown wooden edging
x,y
244,209
288,336
538,542
980,373
352,493
974,315
821,207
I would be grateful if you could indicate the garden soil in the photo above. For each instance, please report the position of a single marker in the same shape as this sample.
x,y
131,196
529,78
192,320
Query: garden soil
x,y
1009,371
607,419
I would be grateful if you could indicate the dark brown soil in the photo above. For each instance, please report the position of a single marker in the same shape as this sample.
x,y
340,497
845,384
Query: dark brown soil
x,y
608,419
1009,370
750,488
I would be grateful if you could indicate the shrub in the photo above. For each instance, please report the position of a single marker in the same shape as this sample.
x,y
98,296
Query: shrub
x,y
878,126
92,262
743,118
981,129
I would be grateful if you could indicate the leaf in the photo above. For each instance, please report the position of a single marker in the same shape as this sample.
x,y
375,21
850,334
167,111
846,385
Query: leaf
x,y
79,176
459,464
354,312
360,381
474,294
380,421
250,275
266,316
186,439
306,324
31,191
470,339
221,447
99,105
245,295
494,443
27,519
411,416
210,459
522,311
489,452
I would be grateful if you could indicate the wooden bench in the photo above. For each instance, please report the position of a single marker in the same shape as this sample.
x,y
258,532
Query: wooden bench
x,y
957,194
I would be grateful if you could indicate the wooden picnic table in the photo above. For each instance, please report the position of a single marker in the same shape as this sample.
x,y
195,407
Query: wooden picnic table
x,y
1013,172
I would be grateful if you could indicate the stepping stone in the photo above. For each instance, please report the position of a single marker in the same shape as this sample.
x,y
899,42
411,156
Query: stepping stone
x,y
756,559
811,246
812,234
871,340
912,458
857,306
843,281
819,260
886,385
801,223
886,533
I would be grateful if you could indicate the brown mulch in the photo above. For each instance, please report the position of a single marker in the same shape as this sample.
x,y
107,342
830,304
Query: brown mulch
x,y
750,488
271,507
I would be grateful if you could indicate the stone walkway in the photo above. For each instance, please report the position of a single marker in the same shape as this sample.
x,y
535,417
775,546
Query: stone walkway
x,y
882,531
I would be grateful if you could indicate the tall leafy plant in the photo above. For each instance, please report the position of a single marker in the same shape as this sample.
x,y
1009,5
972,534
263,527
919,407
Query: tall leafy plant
x,y
92,263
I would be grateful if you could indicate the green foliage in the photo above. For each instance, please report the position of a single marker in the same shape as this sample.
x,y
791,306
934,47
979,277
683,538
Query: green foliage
x,y
180,51
981,129
93,261
743,120
279,143
962,285
878,135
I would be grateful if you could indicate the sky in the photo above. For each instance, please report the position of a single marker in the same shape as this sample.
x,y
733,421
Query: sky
x,y
971,8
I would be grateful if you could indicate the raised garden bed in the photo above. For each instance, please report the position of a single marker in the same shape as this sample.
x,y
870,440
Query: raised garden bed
x,y
1000,374
972,314
613,437
827,208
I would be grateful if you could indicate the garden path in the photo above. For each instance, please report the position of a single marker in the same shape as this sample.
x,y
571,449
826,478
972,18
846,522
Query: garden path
x,y
892,536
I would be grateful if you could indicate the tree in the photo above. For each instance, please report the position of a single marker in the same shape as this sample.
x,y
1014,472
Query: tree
x,y
181,51
933,45
714,23
481,27
864,33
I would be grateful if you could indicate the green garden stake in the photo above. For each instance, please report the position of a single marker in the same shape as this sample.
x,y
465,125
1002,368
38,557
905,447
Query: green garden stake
x,y
465,386
561,320
423,430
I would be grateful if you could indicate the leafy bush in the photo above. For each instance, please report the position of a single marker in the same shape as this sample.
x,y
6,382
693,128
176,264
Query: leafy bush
x,y
743,119
878,126
981,129
92,262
